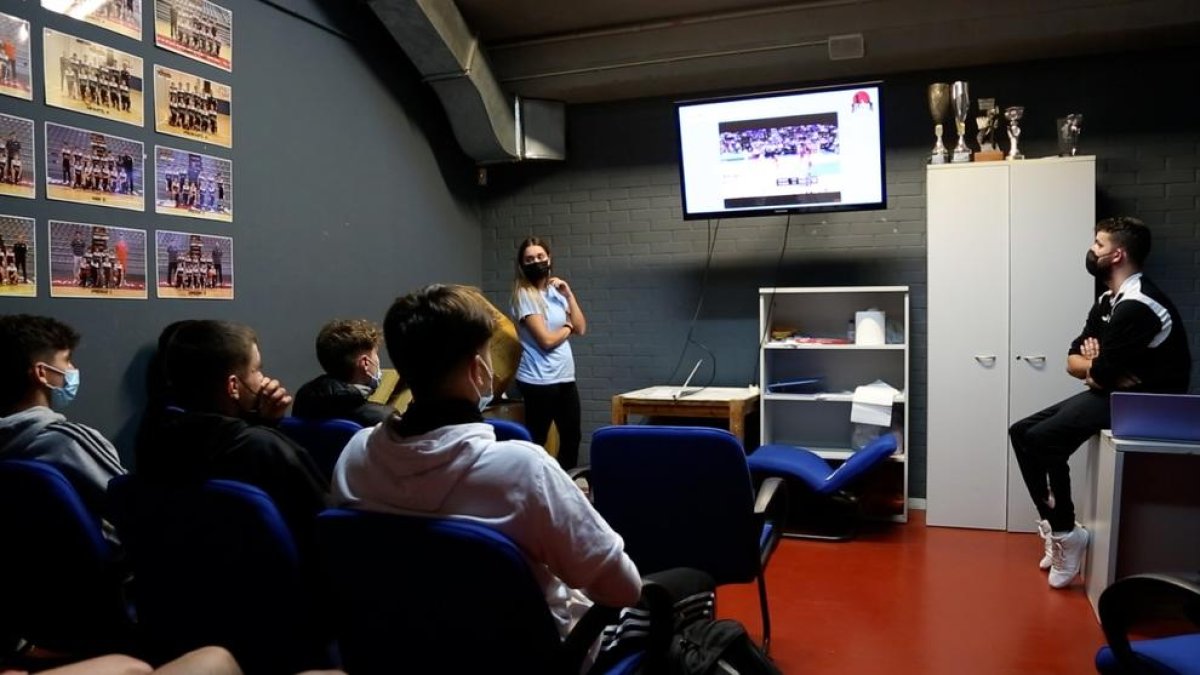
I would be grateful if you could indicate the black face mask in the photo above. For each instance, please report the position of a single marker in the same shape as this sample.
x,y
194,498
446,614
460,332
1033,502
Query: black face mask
x,y
536,271
1092,263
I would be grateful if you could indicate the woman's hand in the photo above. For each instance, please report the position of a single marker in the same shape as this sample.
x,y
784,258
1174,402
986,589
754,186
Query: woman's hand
x,y
561,286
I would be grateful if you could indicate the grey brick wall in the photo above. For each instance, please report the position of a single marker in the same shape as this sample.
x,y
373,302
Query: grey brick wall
x,y
612,214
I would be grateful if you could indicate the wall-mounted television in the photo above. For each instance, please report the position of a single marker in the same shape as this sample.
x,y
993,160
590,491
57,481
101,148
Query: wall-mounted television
x,y
798,151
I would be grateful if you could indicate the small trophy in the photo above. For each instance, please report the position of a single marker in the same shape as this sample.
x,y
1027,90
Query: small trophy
x,y
962,107
939,108
1068,134
988,123
1013,115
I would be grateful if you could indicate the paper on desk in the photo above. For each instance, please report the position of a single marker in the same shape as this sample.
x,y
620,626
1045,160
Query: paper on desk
x,y
872,404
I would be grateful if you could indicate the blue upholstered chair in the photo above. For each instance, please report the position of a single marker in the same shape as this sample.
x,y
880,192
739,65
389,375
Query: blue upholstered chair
x,y
452,594
324,439
810,475
1129,600
215,564
507,430
682,497
62,584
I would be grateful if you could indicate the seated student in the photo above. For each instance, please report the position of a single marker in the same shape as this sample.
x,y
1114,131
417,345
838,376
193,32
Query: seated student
x,y
37,382
442,459
215,373
349,352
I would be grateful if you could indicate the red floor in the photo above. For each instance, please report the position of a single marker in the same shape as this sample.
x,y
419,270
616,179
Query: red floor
x,y
912,599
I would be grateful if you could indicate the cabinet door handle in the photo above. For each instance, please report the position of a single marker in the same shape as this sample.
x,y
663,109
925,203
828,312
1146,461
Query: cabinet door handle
x,y
1039,360
986,360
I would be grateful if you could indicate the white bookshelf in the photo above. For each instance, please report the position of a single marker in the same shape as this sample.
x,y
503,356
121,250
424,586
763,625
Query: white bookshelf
x,y
818,418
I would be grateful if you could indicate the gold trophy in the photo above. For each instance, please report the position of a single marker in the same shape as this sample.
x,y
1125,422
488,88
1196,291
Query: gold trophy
x,y
939,108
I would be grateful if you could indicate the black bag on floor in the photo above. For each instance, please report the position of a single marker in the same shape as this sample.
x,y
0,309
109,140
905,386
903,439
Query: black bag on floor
x,y
673,626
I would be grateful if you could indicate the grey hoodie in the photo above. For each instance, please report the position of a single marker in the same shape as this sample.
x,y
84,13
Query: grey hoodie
x,y
85,457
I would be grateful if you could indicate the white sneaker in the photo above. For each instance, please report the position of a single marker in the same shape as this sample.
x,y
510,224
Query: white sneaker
x,y
1066,552
1043,527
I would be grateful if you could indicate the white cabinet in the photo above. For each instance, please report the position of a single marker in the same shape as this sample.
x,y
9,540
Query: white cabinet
x,y
817,415
1007,294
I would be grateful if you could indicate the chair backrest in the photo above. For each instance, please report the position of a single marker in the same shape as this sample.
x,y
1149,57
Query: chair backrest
x,y
215,564
451,593
324,439
62,584
862,461
680,497
507,430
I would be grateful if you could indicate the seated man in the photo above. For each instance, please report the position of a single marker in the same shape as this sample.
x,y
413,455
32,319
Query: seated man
x,y
349,352
37,381
215,373
442,459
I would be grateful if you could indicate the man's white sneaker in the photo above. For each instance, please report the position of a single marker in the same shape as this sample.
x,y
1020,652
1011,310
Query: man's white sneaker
x,y
1066,553
1043,527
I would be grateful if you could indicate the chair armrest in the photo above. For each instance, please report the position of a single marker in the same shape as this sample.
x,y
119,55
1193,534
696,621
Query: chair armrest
x,y
1119,605
771,502
578,472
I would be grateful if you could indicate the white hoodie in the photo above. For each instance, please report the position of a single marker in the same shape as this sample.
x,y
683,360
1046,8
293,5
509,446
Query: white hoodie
x,y
512,486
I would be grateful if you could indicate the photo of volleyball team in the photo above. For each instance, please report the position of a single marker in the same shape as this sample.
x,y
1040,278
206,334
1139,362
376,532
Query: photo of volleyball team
x,y
96,261
119,16
194,266
791,159
89,167
192,107
192,185
18,256
17,164
16,73
196,29
92,78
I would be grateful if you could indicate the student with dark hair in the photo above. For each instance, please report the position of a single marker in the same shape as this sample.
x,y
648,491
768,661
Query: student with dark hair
x,y
442,459
225,430
1133,340
348,350
38,380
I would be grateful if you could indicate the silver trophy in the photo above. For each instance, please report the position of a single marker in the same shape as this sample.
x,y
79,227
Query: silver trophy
x,y
962,107
1014,115
1068,134
939,108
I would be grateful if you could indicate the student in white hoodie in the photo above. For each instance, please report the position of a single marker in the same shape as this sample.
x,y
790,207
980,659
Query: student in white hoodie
x,y
441,459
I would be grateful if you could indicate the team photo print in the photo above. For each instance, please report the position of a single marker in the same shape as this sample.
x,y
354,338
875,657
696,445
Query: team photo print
x,y
190,106
16,72
192,185
17,164
89,167
119,16
92,78
96,261
18,257
194,266
197,29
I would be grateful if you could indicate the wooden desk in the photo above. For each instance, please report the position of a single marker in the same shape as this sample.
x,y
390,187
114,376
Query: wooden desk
x,y
731,403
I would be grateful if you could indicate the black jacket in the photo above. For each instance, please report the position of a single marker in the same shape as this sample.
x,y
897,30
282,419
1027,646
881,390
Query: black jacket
x,y
327,398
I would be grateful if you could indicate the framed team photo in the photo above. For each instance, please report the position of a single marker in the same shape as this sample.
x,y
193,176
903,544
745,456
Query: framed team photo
x,y
96,261
192,185
190,106
17,164
18,257
88,167
193,266
16,70
92,78
197,29
119,16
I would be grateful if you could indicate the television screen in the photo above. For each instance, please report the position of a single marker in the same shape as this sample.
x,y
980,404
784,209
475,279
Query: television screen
x,y
782,152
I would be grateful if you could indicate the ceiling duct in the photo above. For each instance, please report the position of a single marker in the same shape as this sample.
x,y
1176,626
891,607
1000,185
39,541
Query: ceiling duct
x,y
490,125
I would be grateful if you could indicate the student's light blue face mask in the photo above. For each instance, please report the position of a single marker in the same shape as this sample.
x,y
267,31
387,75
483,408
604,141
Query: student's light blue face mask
x,y
61,397
485,399
377,376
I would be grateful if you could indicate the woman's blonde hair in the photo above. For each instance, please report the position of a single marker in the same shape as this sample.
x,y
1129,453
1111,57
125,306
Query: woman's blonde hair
x,y
522,286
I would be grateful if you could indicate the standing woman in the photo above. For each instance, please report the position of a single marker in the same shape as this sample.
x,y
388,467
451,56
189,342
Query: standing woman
x,y
547,314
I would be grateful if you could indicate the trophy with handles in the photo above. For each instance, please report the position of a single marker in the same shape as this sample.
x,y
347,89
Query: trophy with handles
x,y
939,109
1068,134
1014,114
961,99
